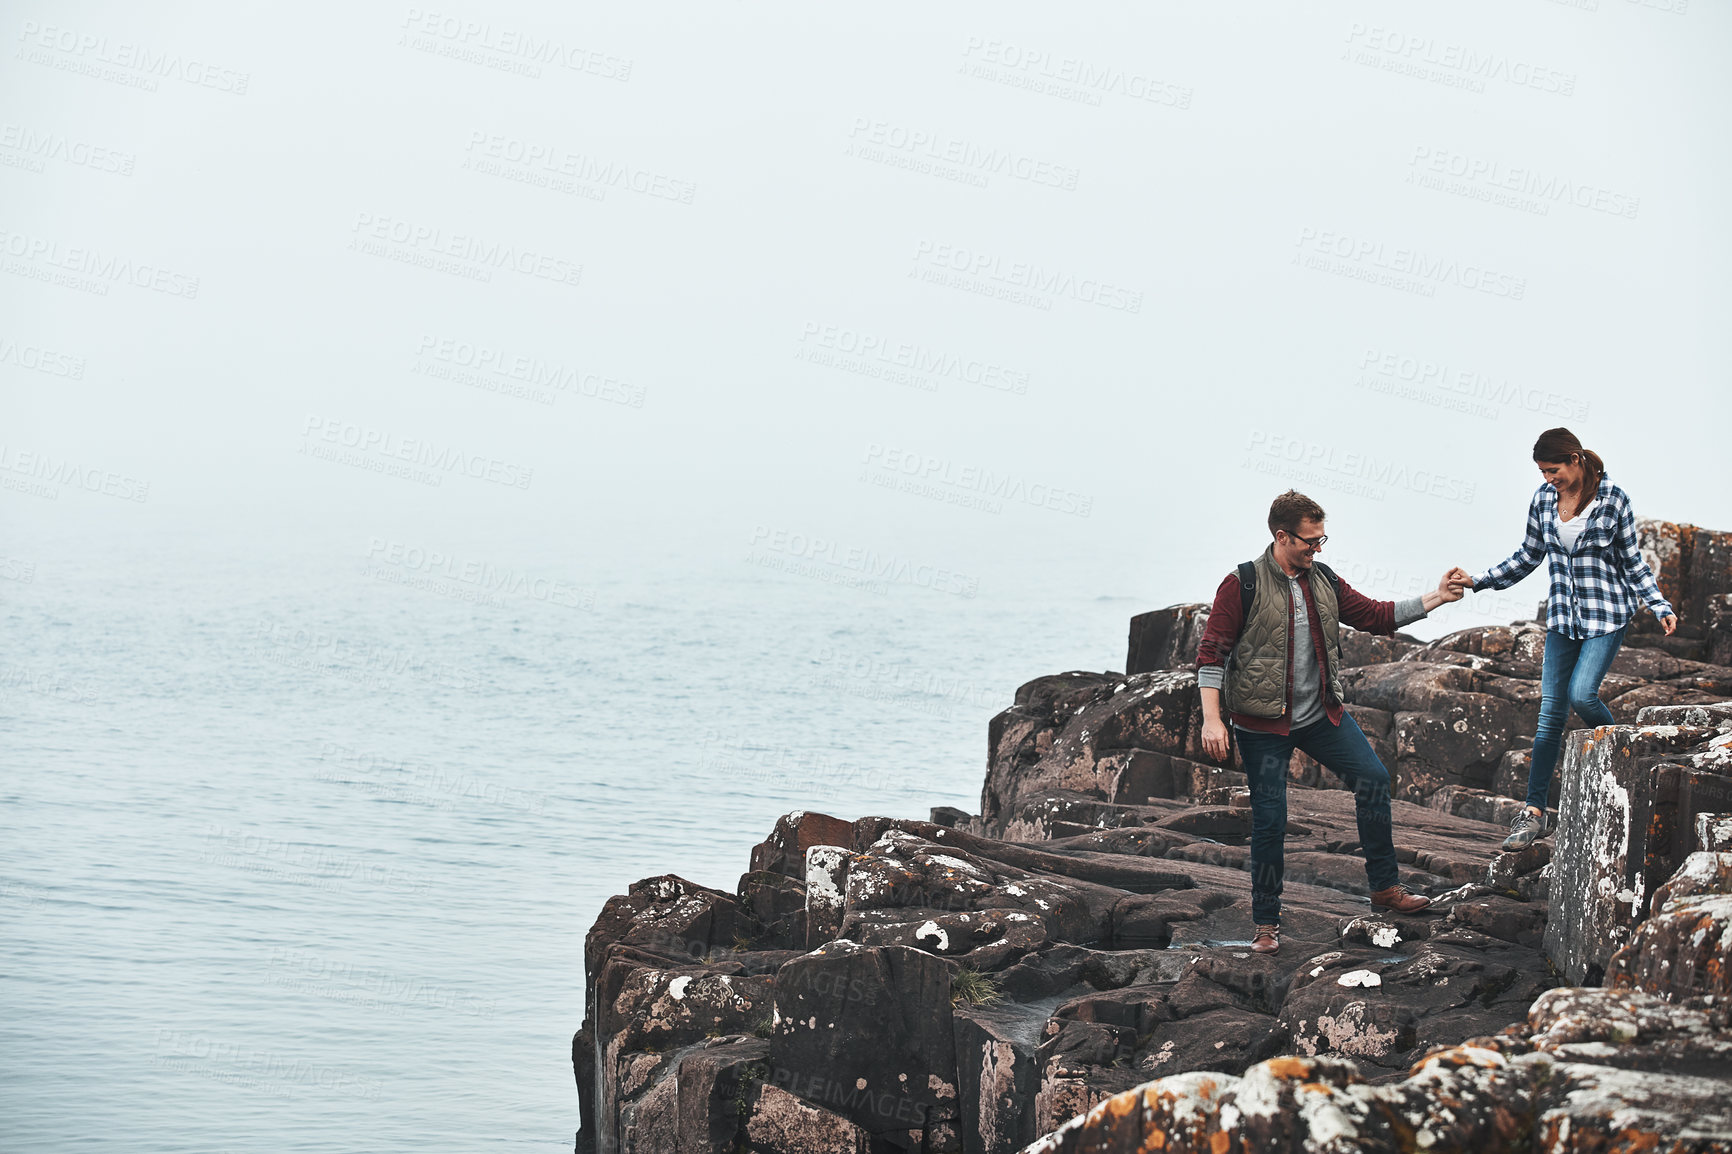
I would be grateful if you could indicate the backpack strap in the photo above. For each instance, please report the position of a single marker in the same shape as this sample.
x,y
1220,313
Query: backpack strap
x,y
1329,575
1247,587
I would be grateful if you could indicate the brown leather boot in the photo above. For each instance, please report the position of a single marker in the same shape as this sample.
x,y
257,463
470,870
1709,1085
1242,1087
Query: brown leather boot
x,y
1267,941
1400,899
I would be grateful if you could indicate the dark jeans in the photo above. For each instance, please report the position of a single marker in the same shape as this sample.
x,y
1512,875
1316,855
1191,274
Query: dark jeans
x,y
1341,749
1569,679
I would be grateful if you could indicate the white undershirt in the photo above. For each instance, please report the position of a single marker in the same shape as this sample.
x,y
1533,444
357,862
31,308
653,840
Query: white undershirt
x,y
1570,531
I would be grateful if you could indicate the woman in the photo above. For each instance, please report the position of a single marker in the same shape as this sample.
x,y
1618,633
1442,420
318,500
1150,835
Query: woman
x,y
1581,525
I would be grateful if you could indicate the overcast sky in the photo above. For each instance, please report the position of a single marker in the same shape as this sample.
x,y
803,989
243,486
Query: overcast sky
x,y
1041,293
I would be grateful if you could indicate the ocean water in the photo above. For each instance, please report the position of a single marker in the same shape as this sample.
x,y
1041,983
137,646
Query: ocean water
x,y
298,846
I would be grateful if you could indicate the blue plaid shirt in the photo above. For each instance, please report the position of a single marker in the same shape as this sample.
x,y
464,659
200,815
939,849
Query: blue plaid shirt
x,y
1595,586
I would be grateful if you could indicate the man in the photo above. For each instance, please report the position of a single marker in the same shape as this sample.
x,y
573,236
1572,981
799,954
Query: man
x,y
1272,654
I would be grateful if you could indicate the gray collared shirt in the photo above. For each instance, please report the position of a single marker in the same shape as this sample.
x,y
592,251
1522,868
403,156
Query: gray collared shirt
x,y
1307,702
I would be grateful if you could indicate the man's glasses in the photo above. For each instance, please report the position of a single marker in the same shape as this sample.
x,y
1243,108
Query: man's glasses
x,y
1314,542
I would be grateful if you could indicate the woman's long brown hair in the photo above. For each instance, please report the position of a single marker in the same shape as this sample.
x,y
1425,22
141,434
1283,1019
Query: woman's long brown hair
x,y
1561,447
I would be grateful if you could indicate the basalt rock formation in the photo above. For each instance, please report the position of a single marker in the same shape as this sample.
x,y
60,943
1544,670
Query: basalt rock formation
x,y
1073,961
1642,1064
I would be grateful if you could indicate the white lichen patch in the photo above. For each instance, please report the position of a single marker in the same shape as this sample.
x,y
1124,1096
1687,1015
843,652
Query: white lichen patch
x,y
1457,894
1331,1128
1469,1055
1365,978
677,987
1259,1093
957,864
1587,1051
1350,1033
1385,936
933,930
1191,1097
1704,866
823,866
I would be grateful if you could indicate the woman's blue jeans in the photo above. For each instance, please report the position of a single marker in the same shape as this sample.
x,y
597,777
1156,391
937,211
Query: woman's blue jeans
x,y
1343,750
1569,679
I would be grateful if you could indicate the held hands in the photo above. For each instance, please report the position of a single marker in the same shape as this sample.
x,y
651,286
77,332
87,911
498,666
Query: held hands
x,y
1453,584
1449,588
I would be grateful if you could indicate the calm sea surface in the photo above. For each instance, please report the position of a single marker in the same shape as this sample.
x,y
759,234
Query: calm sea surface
x,y
298,847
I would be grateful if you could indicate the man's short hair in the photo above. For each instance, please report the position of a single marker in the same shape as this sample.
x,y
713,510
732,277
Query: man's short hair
x,y
1289,509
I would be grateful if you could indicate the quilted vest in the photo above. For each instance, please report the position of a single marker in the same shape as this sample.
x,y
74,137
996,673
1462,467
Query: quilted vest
x,y
1256,681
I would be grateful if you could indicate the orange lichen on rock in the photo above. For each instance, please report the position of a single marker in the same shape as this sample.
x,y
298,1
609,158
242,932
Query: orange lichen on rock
x,y
1458,1056
1288,1067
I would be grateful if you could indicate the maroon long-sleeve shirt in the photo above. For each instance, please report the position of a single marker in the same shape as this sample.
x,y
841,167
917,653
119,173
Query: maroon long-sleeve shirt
x,y
1227,619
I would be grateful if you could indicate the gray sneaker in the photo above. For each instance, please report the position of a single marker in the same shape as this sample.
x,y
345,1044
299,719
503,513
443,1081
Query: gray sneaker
x,y
1527,826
